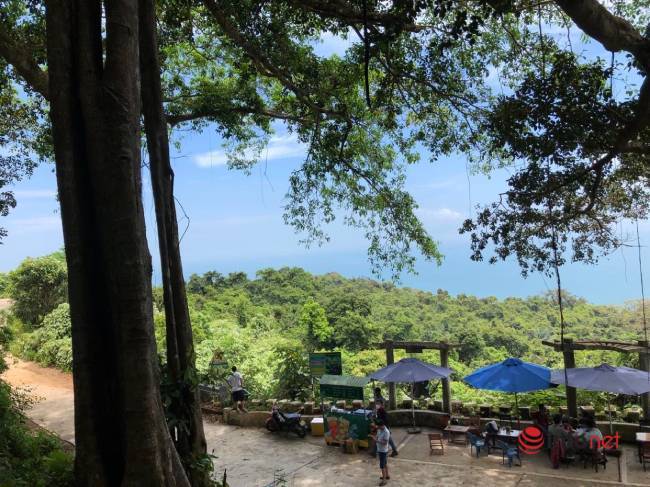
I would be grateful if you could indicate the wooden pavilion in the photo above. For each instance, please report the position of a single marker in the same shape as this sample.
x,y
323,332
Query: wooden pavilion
x,y
416,347
568,351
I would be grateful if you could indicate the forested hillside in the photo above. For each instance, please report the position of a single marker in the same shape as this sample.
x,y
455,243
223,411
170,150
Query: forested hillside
x,y
267,324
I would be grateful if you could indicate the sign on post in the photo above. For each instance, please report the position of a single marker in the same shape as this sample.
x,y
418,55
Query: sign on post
x,y
325,363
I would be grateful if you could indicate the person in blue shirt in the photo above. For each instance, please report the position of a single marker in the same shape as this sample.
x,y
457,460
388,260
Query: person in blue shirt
x,y
382,438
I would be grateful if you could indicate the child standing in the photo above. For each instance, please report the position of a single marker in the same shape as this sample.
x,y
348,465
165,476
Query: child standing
x,y
382,439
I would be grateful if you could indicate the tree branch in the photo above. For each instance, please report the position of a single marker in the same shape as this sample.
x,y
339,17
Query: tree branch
x,y
213,113
615,33
351,14
21,59
261,63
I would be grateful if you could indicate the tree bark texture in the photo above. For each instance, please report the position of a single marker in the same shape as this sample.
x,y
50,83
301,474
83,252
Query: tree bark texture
x,y
121,435
185,404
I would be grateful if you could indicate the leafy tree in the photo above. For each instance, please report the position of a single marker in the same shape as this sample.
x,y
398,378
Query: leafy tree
x,y
471,344
584,148
4,285
37,287
362,114
353,331
314,321
292,372
201,284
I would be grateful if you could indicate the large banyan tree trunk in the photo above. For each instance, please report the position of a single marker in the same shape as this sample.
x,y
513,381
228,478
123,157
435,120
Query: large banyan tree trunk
x,y
121,435
185,406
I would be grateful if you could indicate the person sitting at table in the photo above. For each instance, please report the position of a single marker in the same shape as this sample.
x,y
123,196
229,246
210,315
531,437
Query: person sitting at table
x,y
590,437
568,425
542,421
490,432
557,437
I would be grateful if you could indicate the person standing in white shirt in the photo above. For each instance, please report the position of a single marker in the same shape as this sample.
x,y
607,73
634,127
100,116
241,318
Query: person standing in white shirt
x,y
236,383
382,439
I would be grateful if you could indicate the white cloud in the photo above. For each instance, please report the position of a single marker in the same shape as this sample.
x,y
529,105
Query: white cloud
x,y
279,147
34,224
35,194
440,215
441,184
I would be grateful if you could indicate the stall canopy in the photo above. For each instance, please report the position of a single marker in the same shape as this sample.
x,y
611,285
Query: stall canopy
x,y
342,387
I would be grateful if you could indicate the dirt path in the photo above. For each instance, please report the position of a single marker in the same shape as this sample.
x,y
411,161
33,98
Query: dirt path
x,y
5,304
52,390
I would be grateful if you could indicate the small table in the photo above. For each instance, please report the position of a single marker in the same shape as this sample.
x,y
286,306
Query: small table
x,y
642,439
503,434
508,436
455,430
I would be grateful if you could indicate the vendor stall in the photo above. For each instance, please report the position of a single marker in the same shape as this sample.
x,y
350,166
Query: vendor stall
x,y
340,424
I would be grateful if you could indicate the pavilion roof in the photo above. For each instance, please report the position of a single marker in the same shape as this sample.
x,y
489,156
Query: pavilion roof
x,y
616,346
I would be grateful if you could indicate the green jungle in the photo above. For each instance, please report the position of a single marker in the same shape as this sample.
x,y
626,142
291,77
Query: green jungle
x,y
267,325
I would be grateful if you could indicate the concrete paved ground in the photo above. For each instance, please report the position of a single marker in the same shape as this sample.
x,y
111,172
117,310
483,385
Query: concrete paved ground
x,y
253,457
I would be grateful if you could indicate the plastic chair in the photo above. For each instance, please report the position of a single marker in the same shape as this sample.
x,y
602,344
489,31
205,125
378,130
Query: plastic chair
x,y
644,454
478,443
595,457
435,444
509,451
474,422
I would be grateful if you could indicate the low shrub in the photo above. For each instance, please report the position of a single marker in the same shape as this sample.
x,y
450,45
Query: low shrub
x,y
28,458
51,344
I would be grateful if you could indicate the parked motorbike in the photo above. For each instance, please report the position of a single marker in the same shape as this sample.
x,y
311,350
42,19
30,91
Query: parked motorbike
x,y
287,422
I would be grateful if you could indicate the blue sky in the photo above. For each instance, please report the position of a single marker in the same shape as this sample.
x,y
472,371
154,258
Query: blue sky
x,y
235,223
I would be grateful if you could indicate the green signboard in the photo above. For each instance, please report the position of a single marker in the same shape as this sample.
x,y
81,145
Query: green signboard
x,y
341,392
325,363
342,387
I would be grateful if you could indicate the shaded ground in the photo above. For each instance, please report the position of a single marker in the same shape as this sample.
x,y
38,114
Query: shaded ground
x,y
253,457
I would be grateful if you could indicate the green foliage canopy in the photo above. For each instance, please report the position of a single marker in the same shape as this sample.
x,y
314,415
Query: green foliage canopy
x,y
37,286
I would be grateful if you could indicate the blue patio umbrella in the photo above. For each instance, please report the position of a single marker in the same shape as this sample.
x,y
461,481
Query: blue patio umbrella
x,y
410,370
511,375
605,378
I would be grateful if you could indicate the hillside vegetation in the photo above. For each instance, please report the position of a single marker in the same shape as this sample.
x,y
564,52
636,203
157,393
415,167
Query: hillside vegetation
x,y
267,325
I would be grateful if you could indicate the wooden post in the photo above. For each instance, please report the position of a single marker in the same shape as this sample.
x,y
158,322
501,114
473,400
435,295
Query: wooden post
x,y
644,364
570,363
446,389
390,359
